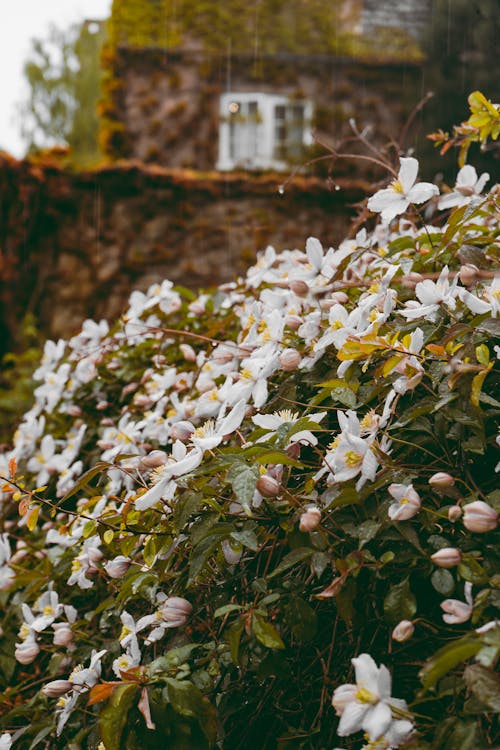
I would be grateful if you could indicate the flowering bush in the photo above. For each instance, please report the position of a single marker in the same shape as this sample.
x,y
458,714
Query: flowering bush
x,y
218,506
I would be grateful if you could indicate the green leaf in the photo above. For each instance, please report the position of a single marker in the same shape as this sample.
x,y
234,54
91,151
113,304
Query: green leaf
x,y
186,506
114,715
447,658
246,537
400,604
295,556
187,700
226,609
319,562
234,638
470,570
442,581
99,468
266,633
485,685
243,479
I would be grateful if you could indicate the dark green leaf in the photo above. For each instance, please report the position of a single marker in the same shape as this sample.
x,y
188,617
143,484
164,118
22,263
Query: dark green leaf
x,y
447,658
400,604
266,633
293,557
442,580
301,619
243,479
114,715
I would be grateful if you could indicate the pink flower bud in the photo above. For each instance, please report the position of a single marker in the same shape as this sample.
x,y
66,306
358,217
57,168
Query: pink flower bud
x,y
26,652
294,322
468,274
310,519
175,610
188,352
290,359
140,399
441,480
129,388
267,486
447,557
117,567
480,517
153,460
56,688
403,631
181,431
299,287
74,410
63,635
454,513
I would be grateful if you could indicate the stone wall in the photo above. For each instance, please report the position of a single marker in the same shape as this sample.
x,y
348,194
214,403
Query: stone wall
x,y
165,105
73,245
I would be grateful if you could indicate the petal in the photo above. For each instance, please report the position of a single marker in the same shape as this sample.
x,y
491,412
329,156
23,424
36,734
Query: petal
x,y
233,420
352,718
467,177
422,192
366,672
382,200
399,206
408,172
314,252
377,720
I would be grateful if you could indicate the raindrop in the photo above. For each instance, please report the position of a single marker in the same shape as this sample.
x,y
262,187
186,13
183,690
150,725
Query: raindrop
x,y
337,187
281,190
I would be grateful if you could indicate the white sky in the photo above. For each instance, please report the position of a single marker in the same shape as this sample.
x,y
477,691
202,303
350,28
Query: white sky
x,y
20,21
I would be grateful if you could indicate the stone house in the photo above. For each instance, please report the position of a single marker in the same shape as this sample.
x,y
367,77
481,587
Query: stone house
x,y
231,85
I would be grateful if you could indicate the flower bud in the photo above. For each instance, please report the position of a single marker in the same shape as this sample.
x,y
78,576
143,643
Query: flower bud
x,y
26,652
175,610
294,321
143,401
468,274
63,635
153,460
188,352
299,287
129,388
290,359
447,557
181,431
74,411
310,519
56,688
267,486
454,513
480,517
117,567
403,631
441,480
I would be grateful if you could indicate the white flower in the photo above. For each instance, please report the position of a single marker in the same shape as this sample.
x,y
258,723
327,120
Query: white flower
x,y
407,503
272,422
457,611
431,296
5,741
395,199
180,462
467,188
368,704
211,434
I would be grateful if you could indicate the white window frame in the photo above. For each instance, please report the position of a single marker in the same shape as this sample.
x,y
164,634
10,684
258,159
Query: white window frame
x,y
264,156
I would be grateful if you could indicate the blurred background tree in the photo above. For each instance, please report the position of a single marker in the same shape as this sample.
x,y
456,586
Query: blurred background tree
x,y
63,73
